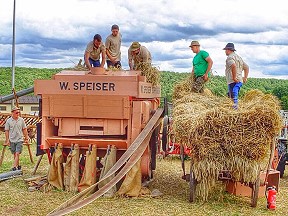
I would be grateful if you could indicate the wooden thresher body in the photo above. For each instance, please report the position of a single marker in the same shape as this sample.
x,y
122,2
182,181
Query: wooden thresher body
x,y
109,109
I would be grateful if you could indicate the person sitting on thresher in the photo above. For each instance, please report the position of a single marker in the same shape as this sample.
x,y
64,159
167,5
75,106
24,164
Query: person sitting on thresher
x,y
15,127
138,54
93,51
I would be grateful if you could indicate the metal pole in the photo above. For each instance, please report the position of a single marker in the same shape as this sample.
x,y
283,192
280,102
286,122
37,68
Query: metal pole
x,y
13,52
18,94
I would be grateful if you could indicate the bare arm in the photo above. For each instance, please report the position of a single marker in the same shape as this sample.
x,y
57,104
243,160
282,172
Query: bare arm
x,y
130,64
210,63
103,58
25,132
246,72
130,60
7,142
87,56
112,59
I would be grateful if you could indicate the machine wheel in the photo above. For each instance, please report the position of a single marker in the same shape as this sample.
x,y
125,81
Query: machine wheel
x,y
255,192
165,134
282,153
281,166
153,147
192,186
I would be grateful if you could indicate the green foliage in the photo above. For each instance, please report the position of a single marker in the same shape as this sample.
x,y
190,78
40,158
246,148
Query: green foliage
x,y
24,78
281,92
168,80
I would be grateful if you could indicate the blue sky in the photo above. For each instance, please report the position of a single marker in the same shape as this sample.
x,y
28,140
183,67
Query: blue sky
x,y
54,33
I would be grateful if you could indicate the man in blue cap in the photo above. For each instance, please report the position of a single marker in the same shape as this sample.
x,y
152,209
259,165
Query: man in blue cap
x,y
233,72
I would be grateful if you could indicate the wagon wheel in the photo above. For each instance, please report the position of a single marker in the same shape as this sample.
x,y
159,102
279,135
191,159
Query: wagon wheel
x,y
192,186
165,134
255,192
31,130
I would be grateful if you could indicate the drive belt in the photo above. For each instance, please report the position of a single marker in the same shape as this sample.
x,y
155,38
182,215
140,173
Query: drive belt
x,y
129,158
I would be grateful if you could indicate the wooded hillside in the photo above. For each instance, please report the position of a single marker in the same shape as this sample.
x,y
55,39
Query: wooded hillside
x,y
24,78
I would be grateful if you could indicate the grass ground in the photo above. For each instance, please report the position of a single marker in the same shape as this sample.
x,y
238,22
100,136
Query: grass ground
x,y
16,200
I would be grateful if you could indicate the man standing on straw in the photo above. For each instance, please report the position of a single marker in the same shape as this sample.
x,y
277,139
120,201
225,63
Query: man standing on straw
x,y
202,64
234,67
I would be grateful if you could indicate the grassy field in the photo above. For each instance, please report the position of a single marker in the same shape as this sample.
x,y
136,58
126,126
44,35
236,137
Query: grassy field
x,y
16,200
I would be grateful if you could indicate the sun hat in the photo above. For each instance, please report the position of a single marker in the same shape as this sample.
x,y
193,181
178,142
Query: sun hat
x,y
134,46
194,43
15,108
229,46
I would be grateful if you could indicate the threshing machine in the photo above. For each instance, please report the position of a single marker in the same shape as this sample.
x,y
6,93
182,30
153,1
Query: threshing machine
x,y
106,109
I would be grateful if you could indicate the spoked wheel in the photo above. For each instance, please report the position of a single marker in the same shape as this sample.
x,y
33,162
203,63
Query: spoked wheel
x,y
192,186
255,192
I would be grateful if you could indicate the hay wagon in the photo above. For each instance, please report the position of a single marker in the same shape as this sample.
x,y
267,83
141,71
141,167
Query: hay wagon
x,y
235,146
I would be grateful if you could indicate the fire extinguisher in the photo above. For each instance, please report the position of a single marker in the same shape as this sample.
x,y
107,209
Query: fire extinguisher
x,y
271,197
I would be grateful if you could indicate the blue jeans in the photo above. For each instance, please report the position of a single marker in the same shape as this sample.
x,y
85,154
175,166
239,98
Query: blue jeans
x,y
94,63
233,92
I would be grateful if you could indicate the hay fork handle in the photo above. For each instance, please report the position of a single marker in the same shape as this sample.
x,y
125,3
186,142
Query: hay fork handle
x,y
2,154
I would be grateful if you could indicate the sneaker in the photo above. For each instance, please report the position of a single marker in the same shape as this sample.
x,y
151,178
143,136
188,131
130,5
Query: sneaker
x,y
235,107
14,169
19,167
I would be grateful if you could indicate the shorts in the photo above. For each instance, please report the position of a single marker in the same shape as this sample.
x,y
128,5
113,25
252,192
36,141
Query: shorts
x,y
94,63
116,65
198,84
16,147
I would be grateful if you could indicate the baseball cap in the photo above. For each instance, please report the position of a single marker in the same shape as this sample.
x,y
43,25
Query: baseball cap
x,y
194,43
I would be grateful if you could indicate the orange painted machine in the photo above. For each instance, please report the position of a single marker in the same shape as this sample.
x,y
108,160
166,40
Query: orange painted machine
x,y
111,109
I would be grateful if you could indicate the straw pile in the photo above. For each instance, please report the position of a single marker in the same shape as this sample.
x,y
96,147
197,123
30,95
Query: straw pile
x,y
150,72
80,66
221,138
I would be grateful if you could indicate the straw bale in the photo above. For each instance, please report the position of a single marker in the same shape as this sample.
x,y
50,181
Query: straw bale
x,y
184,87
152,73
221,138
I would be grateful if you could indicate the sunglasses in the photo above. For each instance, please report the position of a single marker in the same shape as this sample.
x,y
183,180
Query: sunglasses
x,y
17,112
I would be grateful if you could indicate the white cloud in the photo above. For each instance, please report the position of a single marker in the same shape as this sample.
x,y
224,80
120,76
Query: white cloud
x,y
57,31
